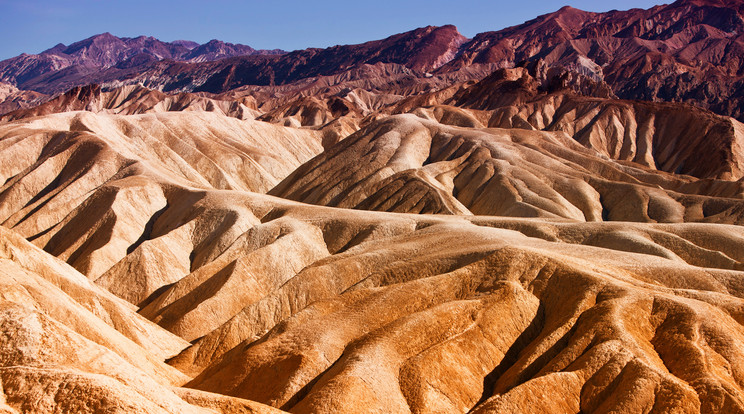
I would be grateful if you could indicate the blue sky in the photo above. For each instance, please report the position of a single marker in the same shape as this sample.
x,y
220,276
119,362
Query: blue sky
x,y
31,26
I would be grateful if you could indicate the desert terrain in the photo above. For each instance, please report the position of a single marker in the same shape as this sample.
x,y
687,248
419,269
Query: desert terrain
x,y
532,220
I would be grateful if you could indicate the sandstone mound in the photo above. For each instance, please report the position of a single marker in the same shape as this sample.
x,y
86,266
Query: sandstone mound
x,y
202,149
70,346
409,164
88,188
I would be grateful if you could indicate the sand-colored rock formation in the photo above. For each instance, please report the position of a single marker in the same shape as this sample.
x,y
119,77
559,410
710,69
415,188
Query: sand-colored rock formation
x,y
132,100
70,346
172,253
664,136
86,187
309,111
405,163
426,323
525,308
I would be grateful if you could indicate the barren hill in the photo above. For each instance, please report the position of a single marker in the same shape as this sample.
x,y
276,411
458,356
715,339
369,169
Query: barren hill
x,y
664,136
408,164
318,309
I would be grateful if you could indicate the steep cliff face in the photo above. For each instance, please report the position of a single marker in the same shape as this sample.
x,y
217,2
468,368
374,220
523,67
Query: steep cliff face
x,y
664,136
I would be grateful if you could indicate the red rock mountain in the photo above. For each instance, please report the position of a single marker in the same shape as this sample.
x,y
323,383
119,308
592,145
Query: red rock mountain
x,y
688,51
89,56
424,49
217,49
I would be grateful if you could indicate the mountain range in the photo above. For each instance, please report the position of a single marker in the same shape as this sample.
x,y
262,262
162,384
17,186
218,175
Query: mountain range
x,y
689,51
105,51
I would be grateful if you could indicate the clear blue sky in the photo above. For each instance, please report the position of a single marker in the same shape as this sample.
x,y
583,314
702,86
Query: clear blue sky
x,y
31,26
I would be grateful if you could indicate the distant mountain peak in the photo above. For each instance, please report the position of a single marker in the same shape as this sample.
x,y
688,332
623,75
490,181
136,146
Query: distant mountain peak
x,y
188,44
